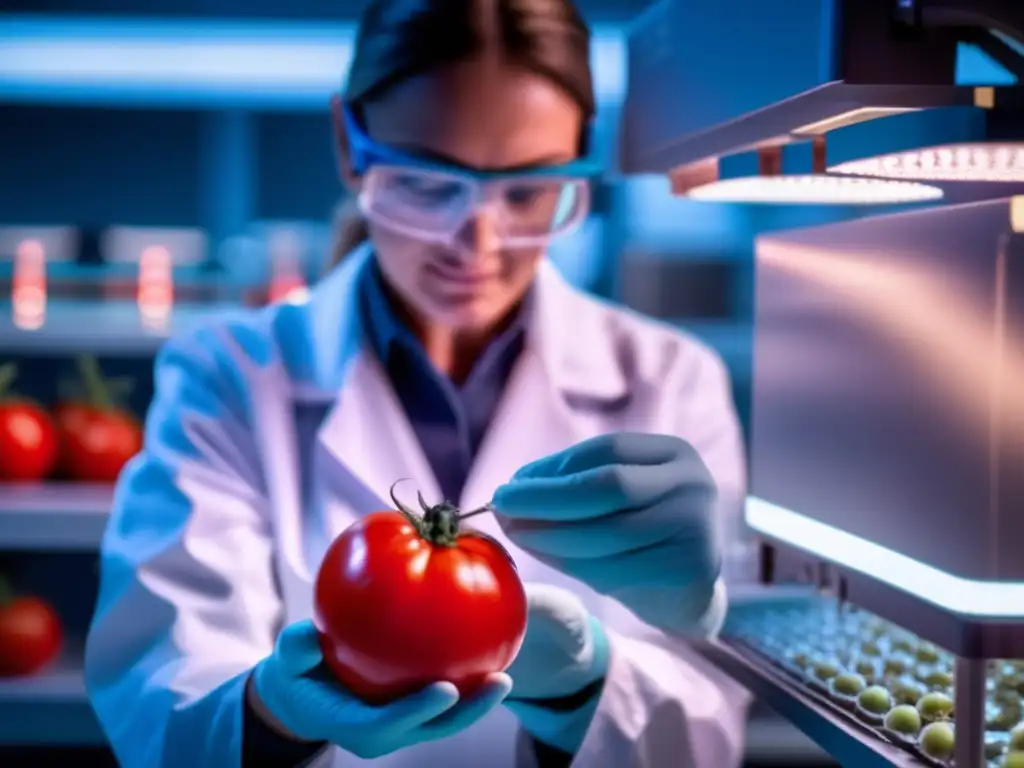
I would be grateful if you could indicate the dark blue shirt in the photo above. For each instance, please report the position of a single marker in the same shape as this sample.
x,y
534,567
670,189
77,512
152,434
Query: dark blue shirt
x,y
449,420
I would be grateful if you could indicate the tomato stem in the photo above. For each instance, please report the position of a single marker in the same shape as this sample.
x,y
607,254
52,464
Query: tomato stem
x,y
6,591
475,512
438,523
8,373
95,385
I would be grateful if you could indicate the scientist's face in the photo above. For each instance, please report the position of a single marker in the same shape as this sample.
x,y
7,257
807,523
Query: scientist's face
x,y
485,116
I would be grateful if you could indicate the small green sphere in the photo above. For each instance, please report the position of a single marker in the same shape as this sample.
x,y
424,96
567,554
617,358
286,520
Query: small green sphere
x,y
907,690
1013,760
1011,680
824,671
1016,739
896,665
866,668
927,654
935,706
904,720
937,740
903,644
875,700
1002,718
848,684
938,679
871,648
1006,697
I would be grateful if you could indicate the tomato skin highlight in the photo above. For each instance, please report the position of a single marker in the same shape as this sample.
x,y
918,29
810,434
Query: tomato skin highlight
x,y
97,437
96,443
397,611
30,636
28,442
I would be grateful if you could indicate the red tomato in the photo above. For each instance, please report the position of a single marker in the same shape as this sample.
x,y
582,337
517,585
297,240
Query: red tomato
x,y
28,442
71,416
402,602
96,442
285,288
30,636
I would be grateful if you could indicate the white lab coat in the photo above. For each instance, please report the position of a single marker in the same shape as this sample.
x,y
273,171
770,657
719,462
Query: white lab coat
x,y
271,431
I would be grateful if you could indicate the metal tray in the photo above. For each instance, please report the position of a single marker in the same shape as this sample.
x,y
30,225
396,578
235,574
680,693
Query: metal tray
x,y
850,742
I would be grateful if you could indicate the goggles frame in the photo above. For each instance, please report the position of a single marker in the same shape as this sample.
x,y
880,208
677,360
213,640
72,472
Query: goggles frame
x,y
366,154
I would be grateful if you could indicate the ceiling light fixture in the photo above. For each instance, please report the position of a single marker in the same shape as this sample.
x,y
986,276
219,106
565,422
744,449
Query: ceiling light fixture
x,y
815,189
980,162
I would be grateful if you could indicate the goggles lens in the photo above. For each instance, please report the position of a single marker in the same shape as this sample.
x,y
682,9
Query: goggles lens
x,y
524,210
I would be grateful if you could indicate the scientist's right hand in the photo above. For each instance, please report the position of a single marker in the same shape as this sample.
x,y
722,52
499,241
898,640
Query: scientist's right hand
x,y
294,690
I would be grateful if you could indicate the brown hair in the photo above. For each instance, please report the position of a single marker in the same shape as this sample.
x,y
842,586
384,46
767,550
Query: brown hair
x,y
400,39
348,230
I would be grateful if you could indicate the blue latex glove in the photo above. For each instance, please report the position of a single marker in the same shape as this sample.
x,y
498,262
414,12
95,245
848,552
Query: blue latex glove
x,y
631,515
565,652
295,690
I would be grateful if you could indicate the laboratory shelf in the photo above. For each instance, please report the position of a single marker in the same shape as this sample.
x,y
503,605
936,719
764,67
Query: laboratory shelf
x,y
53,517
63,685
51,708
108,328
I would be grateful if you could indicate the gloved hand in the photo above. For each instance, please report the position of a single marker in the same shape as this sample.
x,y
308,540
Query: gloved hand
x,y
564,654
632,516
295,690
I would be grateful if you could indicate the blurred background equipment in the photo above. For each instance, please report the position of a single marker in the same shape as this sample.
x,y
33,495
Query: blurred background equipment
x,y
885,444
162,161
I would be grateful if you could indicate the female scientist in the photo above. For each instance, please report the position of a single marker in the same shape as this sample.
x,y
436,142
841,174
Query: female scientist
x,y
449,351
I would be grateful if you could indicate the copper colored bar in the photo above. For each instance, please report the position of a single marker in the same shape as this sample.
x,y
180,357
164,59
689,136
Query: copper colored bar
x,y
769,161
819,154
687,177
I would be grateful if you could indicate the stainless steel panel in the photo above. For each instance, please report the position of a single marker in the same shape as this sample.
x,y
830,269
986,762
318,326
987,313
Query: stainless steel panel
x,y
888,378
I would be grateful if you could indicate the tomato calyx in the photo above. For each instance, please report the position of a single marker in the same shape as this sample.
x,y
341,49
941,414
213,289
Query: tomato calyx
x,y
8,396
8,373
6,593
440,524
96,391
102,393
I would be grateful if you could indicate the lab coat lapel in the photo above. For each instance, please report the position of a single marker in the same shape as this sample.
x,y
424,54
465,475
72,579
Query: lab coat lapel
x,y
364,443
564,389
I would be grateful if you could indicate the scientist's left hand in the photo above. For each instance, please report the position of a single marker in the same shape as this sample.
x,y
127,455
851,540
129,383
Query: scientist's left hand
x,y
632,516
557,676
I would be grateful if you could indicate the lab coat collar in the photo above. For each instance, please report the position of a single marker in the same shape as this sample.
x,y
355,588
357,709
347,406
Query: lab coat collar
x,y
565,328
336,333
570,333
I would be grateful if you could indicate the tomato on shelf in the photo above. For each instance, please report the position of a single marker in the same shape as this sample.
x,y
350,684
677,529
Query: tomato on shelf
x,y
28,436
287,288
403,600
97,436
31,635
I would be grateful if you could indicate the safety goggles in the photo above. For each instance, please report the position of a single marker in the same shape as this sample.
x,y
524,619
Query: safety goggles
x,y
435,201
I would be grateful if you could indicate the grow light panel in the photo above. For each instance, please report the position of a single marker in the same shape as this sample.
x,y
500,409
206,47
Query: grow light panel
x,y
954,593
815,189
1003,162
